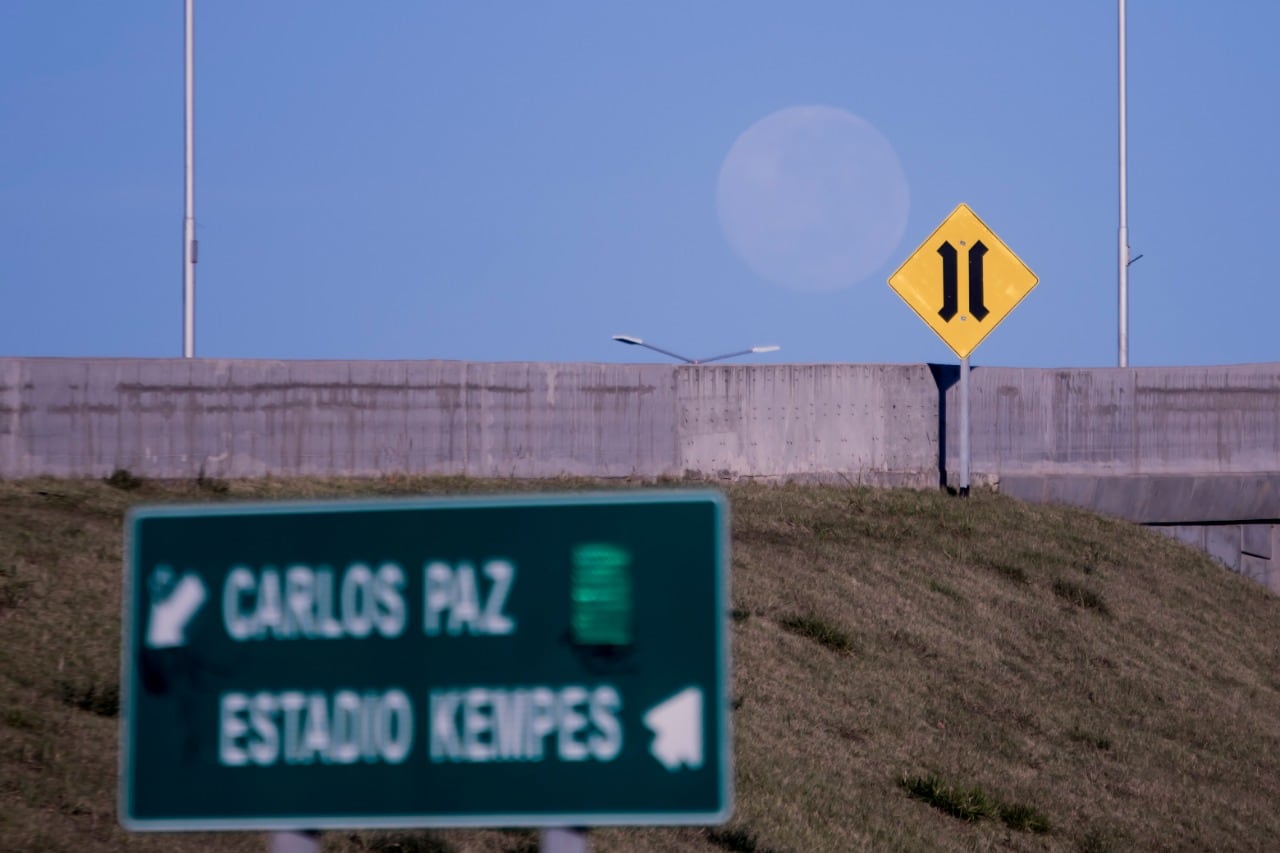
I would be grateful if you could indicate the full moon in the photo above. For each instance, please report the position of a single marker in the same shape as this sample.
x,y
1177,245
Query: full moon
x,y
812,198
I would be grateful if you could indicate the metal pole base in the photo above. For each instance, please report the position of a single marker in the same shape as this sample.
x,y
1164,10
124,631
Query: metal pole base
x,y
558,839
296,841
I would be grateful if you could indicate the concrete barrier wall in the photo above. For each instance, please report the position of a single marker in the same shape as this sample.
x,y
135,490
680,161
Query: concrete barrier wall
x,y
1252,550
866,423
1156,445
179,418
872,424
1113,421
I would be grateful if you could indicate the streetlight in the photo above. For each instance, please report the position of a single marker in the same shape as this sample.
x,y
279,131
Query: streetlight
x,y
637,342
189,218
1122,359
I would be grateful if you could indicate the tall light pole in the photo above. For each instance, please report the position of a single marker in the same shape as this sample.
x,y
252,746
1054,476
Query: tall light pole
x,y
637,342
1124,207
189,219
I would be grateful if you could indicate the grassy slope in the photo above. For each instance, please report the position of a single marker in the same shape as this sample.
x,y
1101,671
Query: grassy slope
x,y
1114,683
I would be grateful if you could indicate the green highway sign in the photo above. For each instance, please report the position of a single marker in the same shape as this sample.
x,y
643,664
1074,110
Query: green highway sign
x,y
551,660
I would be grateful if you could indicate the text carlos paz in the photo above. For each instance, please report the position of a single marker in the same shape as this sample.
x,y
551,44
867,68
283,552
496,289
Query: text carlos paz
x,y
317,603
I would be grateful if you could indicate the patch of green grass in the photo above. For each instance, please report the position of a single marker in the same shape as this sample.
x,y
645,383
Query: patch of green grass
x,y
911,641
12,588
737,839
965,803
820,631
1024,818
1102,840
1079,735
945,589
1007,569
1080,595
21,718
212,485
123,479
409,843
972,803
100,699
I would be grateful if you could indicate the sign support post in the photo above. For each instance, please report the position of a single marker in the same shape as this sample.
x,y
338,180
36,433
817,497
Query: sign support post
x,y
558,839
964,427
295,842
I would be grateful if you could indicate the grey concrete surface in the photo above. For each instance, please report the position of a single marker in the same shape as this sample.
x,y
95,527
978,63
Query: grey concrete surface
x,y
182,418
865,424
178,418
1113,421
1235,546
1258,540
1155,498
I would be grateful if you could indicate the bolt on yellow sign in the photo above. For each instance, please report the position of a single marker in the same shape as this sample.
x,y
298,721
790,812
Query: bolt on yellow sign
x,y
963,280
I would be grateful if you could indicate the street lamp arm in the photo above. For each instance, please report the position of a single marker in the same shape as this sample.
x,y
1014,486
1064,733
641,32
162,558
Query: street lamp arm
x,y
740,352
632,340
637,342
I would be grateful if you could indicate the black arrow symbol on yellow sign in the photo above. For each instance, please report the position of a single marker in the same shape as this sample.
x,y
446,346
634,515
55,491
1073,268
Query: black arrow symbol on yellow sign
x,y
951,283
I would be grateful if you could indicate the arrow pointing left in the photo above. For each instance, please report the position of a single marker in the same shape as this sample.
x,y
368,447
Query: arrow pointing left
x,y
677,730
174,603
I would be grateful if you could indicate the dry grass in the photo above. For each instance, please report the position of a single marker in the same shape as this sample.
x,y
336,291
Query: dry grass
x,y
1089,684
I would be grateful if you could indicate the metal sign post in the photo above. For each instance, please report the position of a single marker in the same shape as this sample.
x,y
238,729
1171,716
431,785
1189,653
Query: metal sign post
x,y
562,840
294,842
963,489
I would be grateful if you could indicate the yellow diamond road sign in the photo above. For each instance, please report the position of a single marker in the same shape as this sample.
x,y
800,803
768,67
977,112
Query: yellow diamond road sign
x,y
963,280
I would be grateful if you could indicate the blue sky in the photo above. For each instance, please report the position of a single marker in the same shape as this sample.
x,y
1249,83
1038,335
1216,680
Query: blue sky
x,y
520,181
